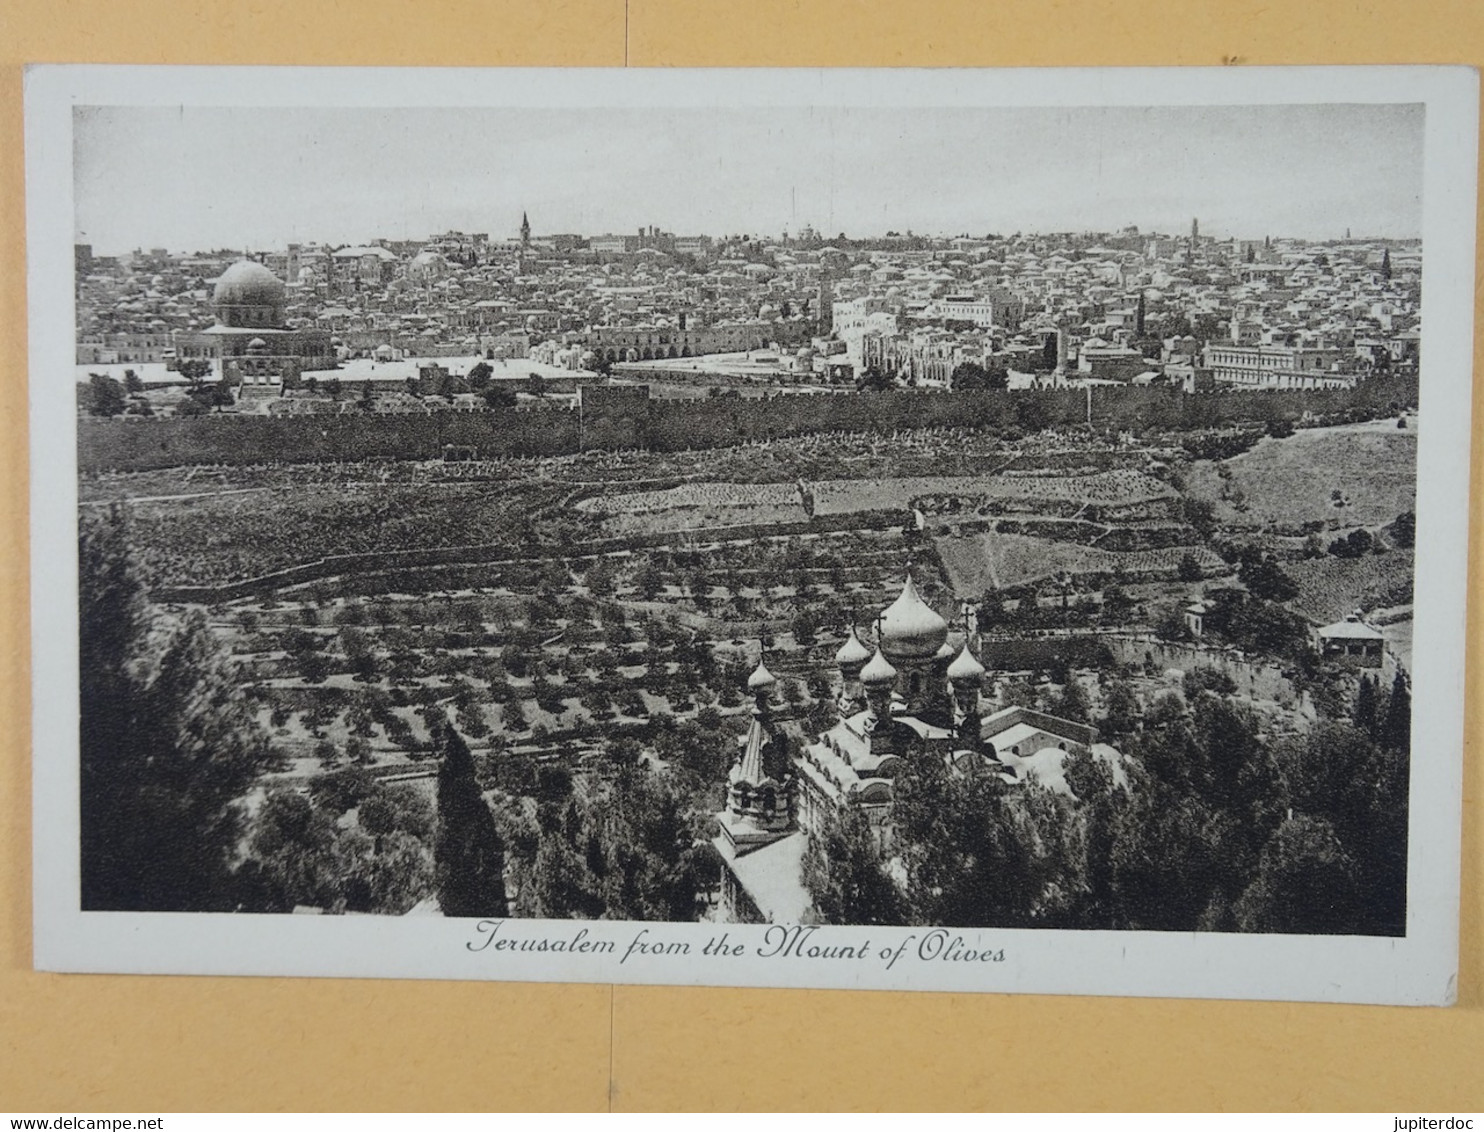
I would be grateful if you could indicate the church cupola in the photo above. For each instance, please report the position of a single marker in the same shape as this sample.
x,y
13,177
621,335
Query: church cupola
x,y
966,675
910,629
878,674
878,678
850,660
761,788
913,637
762,682
966,670
852,656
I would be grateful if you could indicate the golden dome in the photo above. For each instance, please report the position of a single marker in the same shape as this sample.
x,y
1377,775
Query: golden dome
x,y
966,669
878,673
852,653
909,627
761,679
248,284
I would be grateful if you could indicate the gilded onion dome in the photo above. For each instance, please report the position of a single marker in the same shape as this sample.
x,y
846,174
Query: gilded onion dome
x,y
761,679
965,669
878,673
909,627
852,653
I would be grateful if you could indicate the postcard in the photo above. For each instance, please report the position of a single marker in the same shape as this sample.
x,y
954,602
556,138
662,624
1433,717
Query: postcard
x,y
948,530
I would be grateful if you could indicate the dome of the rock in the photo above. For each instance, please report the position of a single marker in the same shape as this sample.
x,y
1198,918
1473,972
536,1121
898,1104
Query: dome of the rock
x,y
248,284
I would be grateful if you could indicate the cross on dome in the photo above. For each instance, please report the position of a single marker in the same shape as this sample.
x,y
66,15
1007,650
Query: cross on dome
x,y
909,628
761,679
853,652
966,669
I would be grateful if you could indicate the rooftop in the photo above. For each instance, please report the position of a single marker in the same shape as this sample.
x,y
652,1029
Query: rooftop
x,y
1351,630
772,877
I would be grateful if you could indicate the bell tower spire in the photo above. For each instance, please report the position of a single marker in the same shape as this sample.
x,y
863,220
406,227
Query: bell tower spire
x,y
761,789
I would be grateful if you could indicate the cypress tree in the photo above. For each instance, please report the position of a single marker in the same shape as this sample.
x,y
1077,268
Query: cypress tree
x,y
469,859
1365,706
1396,730
167,745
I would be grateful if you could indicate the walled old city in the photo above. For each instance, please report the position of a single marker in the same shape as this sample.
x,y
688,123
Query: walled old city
x,y
1008,580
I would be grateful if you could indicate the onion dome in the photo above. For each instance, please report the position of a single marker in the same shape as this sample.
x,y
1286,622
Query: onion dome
x,y
852,653
248,284
947,652
966,669
909,627
878,673
761,679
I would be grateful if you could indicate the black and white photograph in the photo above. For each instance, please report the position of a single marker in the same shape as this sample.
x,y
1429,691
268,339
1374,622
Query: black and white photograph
x,y
901,530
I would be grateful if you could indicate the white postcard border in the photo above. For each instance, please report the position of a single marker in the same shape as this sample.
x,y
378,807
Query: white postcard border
x,y
1418,969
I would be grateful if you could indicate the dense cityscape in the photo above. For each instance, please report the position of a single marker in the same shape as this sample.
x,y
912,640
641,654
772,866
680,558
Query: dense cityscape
x,y
795,312
1030,580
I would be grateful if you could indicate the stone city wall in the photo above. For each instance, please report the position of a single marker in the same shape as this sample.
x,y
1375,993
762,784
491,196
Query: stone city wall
x,y
679,425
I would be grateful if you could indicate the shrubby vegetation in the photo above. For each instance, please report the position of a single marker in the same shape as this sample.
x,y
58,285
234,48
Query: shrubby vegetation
x,y
1217,829
631,845
167,745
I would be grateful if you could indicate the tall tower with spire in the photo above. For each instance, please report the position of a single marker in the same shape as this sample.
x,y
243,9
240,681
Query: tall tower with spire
x,y
761,787
759,841
525,232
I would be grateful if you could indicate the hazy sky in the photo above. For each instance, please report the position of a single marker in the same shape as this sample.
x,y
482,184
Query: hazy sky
x,y
196,178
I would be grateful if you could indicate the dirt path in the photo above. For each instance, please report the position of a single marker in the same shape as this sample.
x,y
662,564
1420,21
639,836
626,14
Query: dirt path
x,y
169,498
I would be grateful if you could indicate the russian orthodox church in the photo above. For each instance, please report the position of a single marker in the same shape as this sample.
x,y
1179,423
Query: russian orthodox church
x,y
916,694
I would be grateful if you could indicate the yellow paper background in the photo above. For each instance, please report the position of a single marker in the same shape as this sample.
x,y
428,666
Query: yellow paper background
x,y
76,1043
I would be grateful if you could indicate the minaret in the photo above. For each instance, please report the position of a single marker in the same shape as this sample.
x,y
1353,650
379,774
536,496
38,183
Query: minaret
x,y
525,244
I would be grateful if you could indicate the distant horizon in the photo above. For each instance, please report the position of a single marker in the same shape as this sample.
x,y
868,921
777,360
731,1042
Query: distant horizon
x,y
336,245
224,177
